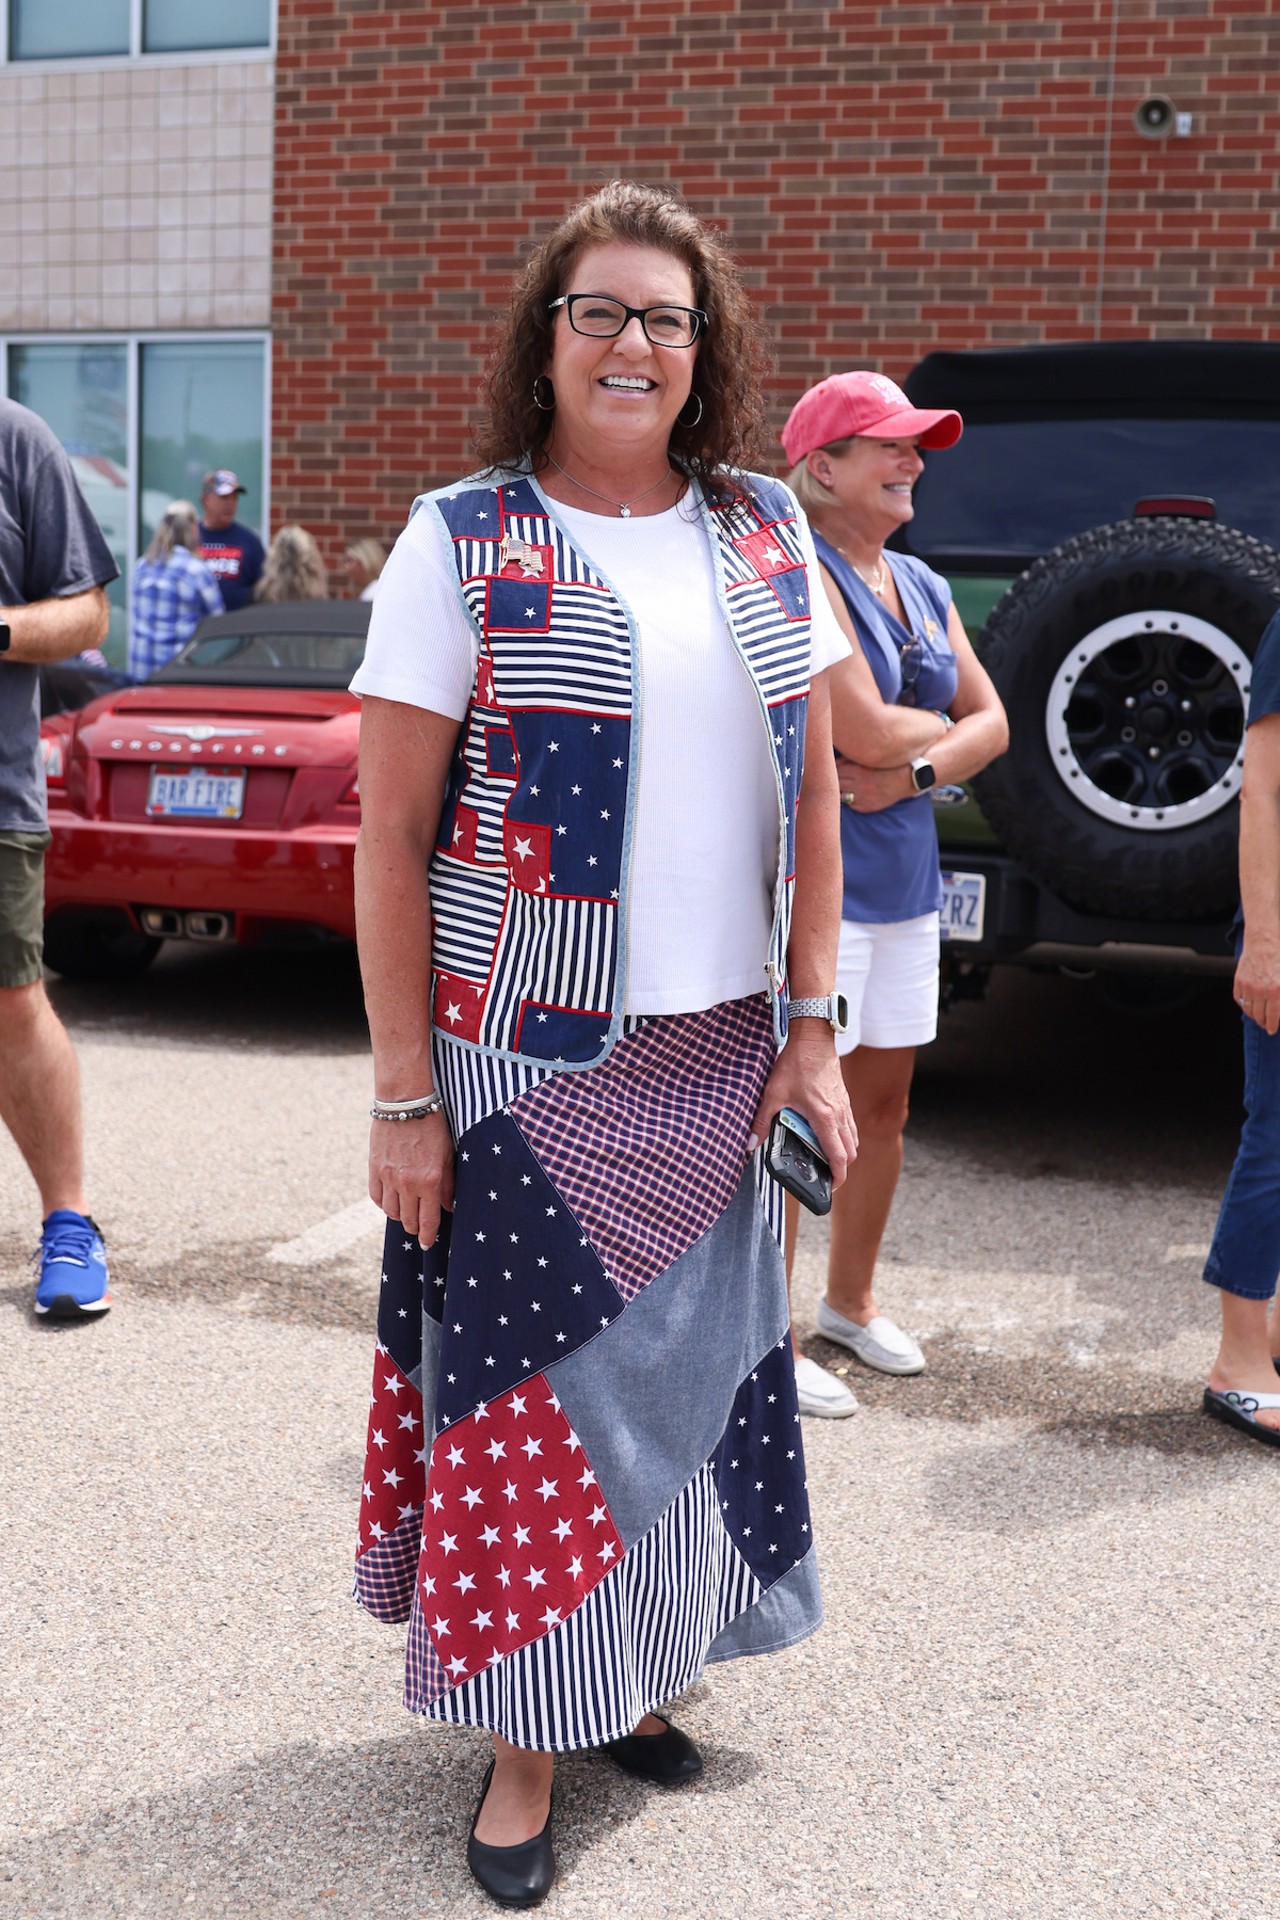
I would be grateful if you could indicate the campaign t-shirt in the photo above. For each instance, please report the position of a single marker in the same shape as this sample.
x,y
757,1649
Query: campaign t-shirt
x,y
50,548
235,555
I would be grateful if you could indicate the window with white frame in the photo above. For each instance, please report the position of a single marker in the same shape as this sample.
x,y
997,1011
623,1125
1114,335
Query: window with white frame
x,y
90,29
144,419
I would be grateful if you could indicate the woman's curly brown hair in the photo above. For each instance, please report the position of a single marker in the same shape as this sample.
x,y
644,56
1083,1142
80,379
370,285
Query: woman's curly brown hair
x,y
731,434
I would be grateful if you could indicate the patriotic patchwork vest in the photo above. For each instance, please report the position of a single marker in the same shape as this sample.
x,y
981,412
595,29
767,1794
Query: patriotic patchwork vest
x,y
529,880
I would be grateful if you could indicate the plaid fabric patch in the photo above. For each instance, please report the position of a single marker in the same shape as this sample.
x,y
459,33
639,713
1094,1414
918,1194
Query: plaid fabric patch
x,y
424,1675
385,1571
648,1148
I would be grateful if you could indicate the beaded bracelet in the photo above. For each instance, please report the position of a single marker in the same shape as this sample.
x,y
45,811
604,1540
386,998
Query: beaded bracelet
x,y
407,1109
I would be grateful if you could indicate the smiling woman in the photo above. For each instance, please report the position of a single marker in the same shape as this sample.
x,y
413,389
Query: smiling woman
x,y
856,440
585,1475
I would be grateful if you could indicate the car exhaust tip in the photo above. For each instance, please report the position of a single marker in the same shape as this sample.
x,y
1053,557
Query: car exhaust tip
x,y
207,926
162,923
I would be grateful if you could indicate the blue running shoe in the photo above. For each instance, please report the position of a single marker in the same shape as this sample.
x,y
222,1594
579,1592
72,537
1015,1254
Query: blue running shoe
x,y
73,1267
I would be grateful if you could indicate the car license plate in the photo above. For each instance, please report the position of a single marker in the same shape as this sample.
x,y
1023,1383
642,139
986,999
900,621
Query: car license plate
x,y
191,793
964,900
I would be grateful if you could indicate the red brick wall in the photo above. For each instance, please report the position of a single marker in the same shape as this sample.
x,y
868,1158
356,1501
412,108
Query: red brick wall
x,y
893,178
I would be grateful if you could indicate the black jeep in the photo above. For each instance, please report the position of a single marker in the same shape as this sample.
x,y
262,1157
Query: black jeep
x,y
1110,525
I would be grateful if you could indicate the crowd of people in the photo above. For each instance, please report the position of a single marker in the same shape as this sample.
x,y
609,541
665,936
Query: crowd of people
x,y
589,999
209,562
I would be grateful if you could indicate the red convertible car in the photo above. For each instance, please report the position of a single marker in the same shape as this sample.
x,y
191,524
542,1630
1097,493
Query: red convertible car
x,y
216,801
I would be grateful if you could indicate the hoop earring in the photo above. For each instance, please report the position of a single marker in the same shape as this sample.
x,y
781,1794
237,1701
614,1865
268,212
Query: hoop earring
x,y
544,406
680,419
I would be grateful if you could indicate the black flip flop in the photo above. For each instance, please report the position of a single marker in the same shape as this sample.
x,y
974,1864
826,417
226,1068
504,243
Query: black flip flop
x,y
1238,1410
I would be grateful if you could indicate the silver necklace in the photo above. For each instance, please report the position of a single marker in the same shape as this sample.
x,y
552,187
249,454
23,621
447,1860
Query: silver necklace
x,y
624,506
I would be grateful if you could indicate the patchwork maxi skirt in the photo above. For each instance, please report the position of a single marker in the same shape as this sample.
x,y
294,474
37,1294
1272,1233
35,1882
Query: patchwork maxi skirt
x,y
584,1476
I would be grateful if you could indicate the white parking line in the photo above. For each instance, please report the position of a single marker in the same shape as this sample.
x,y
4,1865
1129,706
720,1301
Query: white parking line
x,y
329,1236
1187,1250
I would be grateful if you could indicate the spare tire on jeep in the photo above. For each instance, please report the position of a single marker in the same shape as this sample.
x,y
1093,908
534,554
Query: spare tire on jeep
x,y
1123,658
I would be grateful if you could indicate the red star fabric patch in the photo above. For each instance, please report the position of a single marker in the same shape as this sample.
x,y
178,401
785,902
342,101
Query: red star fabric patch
x,y
466,824
526,848
391,1502
765,552
515,1533
459,1005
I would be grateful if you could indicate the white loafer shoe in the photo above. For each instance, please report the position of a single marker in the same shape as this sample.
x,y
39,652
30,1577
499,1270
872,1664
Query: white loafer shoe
x,y
820,1393
881,1343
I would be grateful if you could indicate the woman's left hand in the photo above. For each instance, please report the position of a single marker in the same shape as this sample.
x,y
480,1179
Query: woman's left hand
x,y
807,1077
872,789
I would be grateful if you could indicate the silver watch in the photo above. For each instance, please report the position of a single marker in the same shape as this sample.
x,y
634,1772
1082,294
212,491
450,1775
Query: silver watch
x,y
833,1007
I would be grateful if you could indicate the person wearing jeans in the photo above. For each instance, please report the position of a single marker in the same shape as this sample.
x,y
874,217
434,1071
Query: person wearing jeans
x,y
1244,1258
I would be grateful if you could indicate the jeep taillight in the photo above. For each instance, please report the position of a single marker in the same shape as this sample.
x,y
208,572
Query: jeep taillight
x,y
1182,506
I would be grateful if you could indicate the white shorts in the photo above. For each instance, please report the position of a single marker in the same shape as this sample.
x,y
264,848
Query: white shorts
x,y
889,974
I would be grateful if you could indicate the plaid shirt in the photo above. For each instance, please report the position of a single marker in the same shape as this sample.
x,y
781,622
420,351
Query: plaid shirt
x,y
169,600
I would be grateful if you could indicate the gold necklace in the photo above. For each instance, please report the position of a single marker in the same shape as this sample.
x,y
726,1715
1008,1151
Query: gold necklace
x,y
877,583
624,506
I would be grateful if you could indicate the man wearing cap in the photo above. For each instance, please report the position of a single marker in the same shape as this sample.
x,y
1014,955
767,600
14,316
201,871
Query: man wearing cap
x,y
233,551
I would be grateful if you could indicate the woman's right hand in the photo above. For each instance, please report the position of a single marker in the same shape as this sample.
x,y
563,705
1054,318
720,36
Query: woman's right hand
x,y
872,789
411,1172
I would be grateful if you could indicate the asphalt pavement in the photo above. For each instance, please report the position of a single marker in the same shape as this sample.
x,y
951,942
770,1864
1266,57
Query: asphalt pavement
x,y
1045,1681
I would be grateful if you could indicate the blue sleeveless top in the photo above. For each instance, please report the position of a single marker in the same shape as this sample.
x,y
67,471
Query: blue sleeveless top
x,y
891,858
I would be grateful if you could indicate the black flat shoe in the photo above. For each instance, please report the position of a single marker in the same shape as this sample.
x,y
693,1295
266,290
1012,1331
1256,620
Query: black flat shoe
x,y
519,1876
666,1759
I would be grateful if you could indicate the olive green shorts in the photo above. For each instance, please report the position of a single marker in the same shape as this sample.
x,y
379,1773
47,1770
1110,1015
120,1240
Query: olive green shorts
x,y
22,908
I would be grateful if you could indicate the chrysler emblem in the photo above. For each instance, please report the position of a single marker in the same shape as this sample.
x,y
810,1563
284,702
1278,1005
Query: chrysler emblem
x,y
214,733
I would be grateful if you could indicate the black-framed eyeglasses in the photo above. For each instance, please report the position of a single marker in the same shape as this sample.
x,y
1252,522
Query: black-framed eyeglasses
x,y
601,317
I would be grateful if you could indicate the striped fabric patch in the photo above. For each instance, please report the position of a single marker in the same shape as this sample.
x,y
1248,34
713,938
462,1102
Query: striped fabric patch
x,y
466,910
475,1085
648,1150
638,1639
557,952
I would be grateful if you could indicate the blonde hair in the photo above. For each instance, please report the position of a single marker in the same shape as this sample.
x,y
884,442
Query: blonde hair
x,y
179,527
293,569
369,554
809,490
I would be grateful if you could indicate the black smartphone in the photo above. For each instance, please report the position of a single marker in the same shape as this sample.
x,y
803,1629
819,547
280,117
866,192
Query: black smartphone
x,y
794,1156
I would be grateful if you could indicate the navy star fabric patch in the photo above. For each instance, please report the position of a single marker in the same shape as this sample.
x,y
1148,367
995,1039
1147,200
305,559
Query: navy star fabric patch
x,y
524,1285
765,1513
518,606
576,790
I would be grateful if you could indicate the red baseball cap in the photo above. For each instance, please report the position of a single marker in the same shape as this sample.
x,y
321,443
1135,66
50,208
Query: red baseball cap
x,y
868,404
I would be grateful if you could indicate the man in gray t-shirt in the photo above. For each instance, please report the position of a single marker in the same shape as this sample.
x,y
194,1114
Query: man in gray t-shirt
x,y
54,564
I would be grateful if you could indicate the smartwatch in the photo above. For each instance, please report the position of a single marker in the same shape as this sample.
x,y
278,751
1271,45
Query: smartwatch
x,y
833,1007
923,776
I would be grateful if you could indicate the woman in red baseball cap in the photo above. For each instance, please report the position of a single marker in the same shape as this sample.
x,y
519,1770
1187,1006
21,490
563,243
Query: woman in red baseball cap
x,y
854,442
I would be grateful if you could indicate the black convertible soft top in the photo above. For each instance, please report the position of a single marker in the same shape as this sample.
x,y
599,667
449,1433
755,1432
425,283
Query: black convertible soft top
x,y
1109,379
290,616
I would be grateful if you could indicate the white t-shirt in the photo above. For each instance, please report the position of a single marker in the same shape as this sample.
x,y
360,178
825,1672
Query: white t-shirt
x,y
704,852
